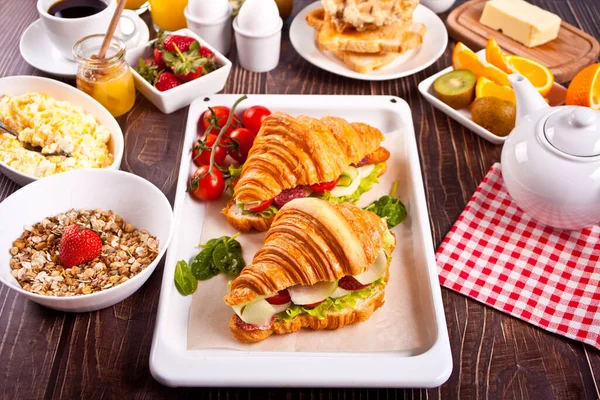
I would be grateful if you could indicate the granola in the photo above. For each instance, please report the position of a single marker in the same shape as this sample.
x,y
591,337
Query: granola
x,y
35,261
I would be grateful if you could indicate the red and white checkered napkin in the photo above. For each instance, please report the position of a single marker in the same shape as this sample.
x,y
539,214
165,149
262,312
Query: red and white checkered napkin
x,y
500,256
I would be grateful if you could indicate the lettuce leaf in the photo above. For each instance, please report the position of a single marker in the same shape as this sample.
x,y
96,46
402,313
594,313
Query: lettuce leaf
x,y
234,171
266,213
334,305
365,185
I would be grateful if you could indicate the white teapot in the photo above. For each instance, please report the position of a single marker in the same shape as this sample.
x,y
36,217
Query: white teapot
x,y
551,160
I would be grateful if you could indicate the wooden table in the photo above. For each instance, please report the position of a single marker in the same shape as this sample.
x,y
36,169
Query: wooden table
x,y
50,354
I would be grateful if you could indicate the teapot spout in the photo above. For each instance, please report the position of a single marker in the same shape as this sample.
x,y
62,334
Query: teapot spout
x,y
528,98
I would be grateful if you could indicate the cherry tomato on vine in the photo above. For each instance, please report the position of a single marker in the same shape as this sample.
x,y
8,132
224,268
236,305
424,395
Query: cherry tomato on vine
x,y
243,139
203,148
206,186
322,187
222,113
262,206
254,116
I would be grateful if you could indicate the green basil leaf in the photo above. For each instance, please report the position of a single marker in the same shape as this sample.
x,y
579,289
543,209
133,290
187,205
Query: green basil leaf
x,y
202,265
185,282
227,257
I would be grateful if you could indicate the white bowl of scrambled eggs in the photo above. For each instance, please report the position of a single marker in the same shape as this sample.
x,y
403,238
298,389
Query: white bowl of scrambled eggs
x,y
57,117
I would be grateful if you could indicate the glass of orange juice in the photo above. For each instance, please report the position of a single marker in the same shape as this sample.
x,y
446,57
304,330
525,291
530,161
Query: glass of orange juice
x,y
108,80
137,5
168,14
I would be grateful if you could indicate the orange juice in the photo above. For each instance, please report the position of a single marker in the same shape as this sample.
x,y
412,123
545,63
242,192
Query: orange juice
x,y
168,14
134,4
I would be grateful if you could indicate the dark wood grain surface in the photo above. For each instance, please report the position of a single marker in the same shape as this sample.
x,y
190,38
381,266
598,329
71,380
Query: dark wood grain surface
x,y
49,354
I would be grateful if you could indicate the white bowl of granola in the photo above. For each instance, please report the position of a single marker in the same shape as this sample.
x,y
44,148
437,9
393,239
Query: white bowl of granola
x,y
131,215
58,118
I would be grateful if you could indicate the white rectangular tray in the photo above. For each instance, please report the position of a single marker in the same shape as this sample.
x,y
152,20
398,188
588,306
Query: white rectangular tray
x,y
173,364
463,117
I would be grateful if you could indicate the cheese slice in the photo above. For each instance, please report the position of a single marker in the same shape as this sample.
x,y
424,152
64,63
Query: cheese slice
x,y
521,21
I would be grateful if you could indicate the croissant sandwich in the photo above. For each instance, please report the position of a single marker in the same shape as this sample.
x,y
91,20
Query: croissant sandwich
x,y
294,158
323,265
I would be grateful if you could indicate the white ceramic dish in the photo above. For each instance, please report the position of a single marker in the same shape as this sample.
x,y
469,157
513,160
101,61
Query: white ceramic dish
x,y
135,199
438,6
37,50
302,37
216,31
180,96
463,117
19,85
173,364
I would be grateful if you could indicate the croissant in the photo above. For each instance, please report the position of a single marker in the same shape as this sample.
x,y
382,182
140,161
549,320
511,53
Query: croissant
x,y
311,241
298,152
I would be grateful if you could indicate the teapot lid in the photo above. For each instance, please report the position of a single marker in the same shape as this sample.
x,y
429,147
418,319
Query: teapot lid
x,y
574,131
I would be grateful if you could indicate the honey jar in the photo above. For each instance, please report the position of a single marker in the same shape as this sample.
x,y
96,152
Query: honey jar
x,y
108,80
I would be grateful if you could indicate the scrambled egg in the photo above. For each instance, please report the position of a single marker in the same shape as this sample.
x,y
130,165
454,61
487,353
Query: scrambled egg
x,y
53,125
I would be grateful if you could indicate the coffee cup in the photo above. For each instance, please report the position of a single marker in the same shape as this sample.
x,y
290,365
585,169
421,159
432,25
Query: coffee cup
x,y
65,32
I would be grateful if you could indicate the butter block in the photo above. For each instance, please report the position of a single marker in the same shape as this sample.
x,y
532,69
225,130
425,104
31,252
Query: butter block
x,y
521,21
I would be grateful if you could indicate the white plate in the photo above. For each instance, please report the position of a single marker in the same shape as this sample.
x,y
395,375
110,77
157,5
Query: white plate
x,y
37,50
173,364
463,117
302,37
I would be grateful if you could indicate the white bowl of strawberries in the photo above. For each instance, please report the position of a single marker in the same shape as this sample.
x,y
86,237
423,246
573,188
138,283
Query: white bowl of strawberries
x,y
176,68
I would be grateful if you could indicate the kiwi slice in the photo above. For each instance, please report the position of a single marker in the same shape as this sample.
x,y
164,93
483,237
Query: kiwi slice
x,y
456,88
494,114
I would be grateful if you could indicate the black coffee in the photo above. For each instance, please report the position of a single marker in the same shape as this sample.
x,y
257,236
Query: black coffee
x,y
76,8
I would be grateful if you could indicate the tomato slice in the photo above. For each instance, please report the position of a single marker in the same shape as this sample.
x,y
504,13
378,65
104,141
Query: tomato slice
x,y
350,283
282,297
313,305
322,187
262,206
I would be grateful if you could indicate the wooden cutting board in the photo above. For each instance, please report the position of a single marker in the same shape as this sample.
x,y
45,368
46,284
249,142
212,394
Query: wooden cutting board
x,y
566,55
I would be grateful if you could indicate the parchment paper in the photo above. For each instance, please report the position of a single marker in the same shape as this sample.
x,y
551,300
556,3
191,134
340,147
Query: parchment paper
x,y
396,326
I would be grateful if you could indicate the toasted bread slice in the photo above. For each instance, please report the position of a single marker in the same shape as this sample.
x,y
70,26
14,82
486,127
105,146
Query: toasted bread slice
x,y
361,312
396,38
316,19
365,62
246,222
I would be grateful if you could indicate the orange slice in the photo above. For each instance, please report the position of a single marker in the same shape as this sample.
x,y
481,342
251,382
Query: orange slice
x,y
538,75
584,89
495,56
488,88
465,58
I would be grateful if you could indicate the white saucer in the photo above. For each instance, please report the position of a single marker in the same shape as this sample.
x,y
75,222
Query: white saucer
x,y
38,51
302,37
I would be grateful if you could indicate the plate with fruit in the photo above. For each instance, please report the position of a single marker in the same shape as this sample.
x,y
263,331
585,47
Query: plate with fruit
x,y
171,70
476,93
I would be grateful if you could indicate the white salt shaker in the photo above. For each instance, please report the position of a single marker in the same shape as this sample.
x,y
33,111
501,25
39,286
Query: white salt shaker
x,y
211,20
258,35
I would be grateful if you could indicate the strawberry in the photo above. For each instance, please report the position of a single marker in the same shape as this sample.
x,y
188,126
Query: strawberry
x,y
187,65
206,52
148,69
166,81
183,43
159,59
79,245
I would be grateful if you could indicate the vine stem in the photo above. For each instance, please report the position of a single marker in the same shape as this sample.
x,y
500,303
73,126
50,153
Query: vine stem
x,y
222,132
